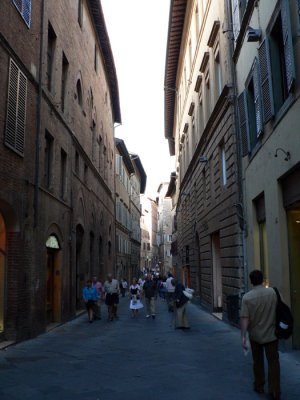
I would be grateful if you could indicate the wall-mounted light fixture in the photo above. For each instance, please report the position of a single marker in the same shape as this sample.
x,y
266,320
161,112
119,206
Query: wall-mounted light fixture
x,y
254,35
286,153
203,159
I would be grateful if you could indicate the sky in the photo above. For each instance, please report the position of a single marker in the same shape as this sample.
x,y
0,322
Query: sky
x,y
138,35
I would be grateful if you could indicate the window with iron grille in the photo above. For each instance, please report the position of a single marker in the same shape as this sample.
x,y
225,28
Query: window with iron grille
x,y
24,8
16,109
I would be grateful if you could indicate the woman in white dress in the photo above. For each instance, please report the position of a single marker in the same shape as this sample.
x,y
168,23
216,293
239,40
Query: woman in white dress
x,y
134,295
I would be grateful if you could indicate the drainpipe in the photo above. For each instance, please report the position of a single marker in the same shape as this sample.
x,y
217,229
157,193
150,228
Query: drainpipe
x,y
38,121
71,268
115,253
239,152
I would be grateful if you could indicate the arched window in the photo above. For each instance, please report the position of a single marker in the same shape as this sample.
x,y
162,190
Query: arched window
x,y
79,92
109,249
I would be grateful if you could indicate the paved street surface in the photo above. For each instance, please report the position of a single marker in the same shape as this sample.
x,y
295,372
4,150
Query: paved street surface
x,y
141,359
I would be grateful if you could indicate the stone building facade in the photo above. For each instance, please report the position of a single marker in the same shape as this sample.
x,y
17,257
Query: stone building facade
x,y
267,61
149,225
164,236
201,130
138,186
124,170
57,160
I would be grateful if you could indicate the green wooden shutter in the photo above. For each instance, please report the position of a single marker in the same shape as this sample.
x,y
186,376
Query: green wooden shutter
x,y
266,80
288,44
257,98
244,123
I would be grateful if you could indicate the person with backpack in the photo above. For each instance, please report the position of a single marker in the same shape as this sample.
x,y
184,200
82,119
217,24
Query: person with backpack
x,y
258,317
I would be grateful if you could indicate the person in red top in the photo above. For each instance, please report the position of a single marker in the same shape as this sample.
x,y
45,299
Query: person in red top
x,y
98,286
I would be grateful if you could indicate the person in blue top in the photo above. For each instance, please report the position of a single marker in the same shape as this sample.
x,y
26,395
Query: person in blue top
x,y
90,296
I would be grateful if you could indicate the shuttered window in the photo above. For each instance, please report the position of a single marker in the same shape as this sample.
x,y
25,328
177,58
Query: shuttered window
x,y
250,110
266,81
24,7
278,76
235,18
257,98
287,43
16,109
243,122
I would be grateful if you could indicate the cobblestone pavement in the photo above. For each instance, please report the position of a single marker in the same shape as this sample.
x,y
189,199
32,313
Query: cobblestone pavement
x,y
137,359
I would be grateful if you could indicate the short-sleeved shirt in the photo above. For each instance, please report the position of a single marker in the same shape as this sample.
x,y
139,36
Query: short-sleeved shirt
x,y
170,288
259,305
111,287
98,286
90,294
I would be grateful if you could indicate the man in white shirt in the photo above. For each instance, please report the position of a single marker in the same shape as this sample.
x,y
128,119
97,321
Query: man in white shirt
x,y
170,292
111,290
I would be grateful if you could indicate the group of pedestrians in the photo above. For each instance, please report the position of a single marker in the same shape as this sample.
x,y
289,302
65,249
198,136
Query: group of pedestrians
x,y
94,293
257,315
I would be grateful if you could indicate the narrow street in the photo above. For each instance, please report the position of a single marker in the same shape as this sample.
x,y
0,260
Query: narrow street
x,y
140,359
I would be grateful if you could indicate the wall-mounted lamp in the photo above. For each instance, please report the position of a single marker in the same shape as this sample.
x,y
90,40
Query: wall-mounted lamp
x,y
286,153
254,35
203,159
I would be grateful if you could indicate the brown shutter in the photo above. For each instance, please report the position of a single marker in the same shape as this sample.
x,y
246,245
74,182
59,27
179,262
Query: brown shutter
x,y
21,116
16,109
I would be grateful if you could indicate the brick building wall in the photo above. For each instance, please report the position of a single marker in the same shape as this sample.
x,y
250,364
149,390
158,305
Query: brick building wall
x,y
75,196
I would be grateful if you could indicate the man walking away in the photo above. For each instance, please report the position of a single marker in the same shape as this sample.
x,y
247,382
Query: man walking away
x,y
180,302
150,295
170,292
258,314
111,290
98,286
123,287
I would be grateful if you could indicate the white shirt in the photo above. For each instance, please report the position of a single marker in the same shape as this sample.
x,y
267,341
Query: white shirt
x,y
170,288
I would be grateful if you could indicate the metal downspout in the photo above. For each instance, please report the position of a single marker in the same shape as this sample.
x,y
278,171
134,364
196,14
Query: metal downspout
x,y
239,157
38,122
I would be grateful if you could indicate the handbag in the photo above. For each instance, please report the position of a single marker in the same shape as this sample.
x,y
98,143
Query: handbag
x,y
284,319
